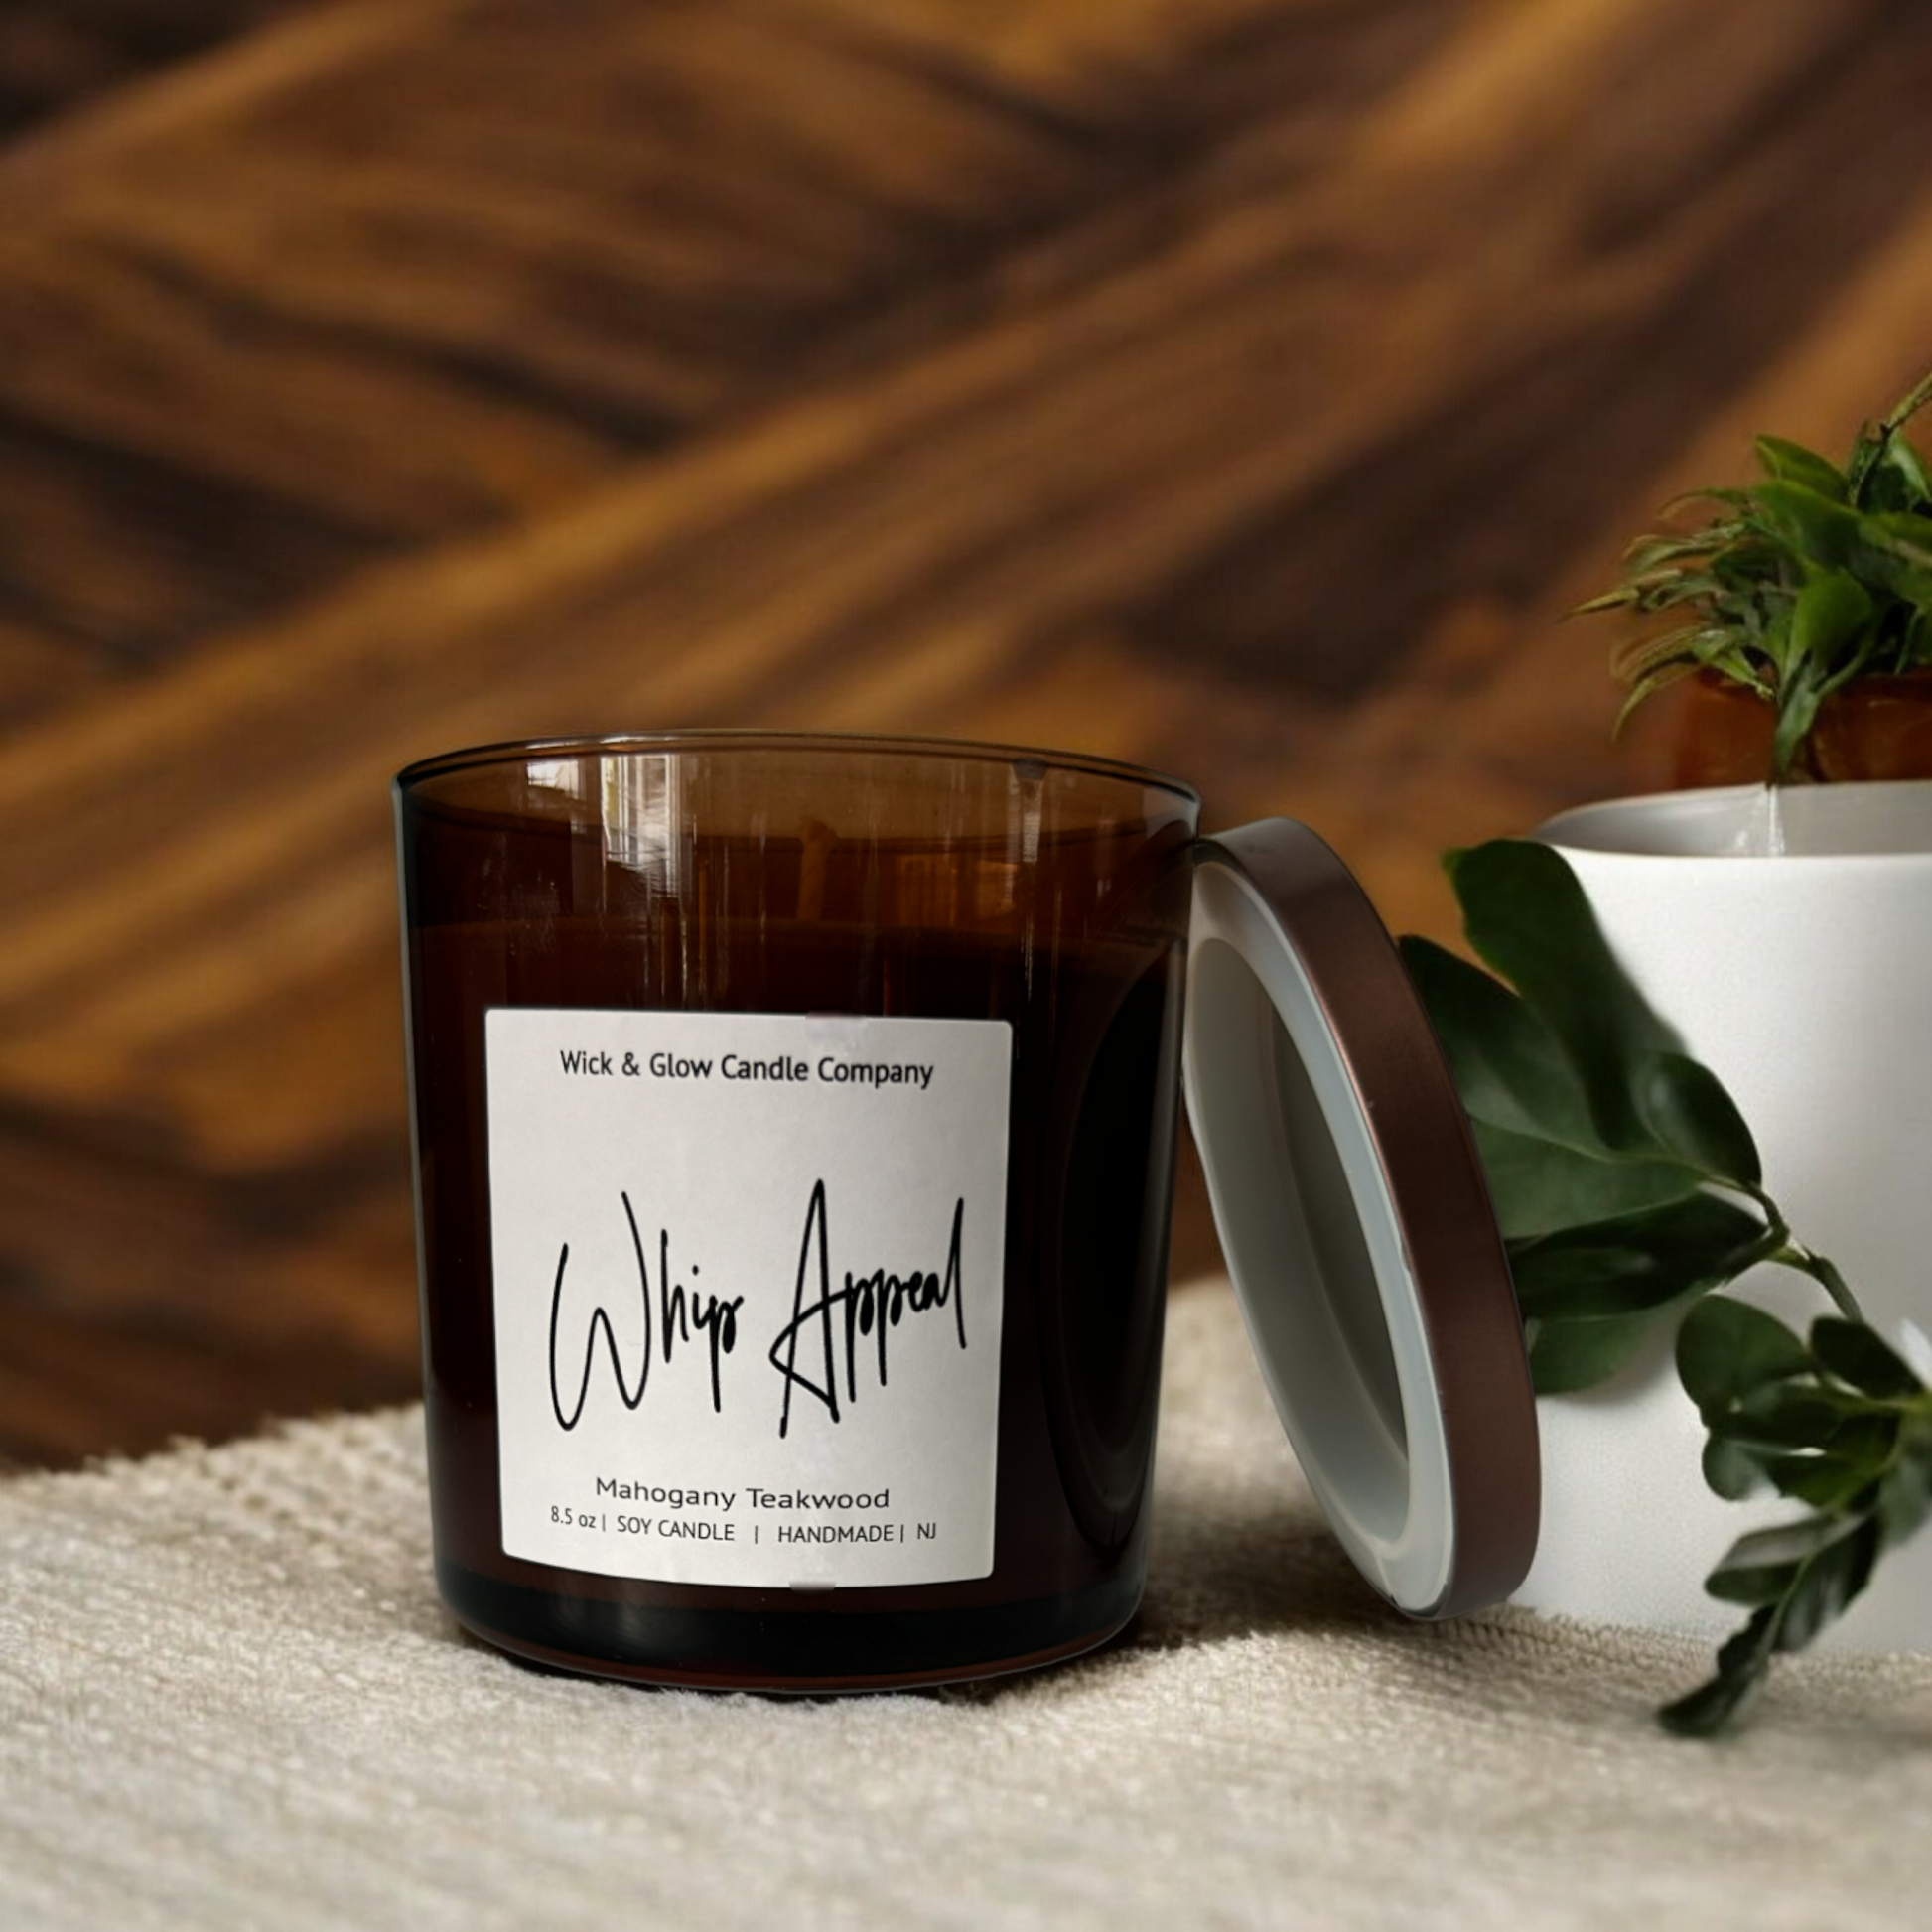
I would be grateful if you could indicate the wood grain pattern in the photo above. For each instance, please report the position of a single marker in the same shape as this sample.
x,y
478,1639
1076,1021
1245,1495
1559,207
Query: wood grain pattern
x,y
56,54
1246,386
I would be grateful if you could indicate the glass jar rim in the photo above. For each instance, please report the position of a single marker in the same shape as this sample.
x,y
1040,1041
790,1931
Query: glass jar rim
x,y
711,738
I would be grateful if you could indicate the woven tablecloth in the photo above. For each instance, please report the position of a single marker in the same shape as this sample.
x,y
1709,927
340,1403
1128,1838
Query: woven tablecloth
x,y
229,1696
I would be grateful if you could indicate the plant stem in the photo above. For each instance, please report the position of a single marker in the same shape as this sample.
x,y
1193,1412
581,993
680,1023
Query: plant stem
x,y
1825,1273
1903,412
1780,1247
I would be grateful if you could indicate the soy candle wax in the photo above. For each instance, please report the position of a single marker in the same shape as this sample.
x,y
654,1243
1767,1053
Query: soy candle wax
x,y
794,1123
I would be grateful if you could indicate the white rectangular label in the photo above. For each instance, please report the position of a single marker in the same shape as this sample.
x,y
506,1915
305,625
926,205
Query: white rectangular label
x,y
749,1285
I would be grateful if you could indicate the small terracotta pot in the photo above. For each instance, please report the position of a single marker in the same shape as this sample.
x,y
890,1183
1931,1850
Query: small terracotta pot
x,y
1873,731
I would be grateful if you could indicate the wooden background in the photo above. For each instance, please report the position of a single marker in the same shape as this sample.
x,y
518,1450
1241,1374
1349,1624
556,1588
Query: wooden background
x,y
1245,387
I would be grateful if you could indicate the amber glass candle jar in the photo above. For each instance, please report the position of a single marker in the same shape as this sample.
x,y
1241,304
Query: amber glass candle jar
x,y
795,1124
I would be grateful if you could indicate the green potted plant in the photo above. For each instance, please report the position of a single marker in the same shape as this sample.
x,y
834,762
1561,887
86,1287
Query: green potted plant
x,y
1800,613
1700,1061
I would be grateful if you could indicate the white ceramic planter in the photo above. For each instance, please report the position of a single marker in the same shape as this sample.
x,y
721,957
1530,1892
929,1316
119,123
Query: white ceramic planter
x,y
1805,981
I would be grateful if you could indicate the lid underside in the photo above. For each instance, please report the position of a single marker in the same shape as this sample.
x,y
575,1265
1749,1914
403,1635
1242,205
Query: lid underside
x,y
1356,1225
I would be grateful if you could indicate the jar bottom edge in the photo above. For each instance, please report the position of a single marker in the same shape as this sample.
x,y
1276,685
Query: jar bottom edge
x,y
807,1653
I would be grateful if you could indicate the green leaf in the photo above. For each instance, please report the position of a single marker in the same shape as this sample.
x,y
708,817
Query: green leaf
x,y
1647,683
1896,480
1752,1588
1767,638
1908,466
1859,1356
1568,1358
1563,1281
1786,1542
1617,600
1800,1414
1764,1568
1667,590
1825,532
1824,1482
1799,695
1826,1584
1872,457
1895,555
1915,642
1905,1496
1793,463
1741,1667
1831,613
1728,499
1730,1470
1506,1065
1866,449
1527,916
1880,548
1904,535
1644,656
1687,1110
1866,1433
1726,1350
1638,1263
1540,1187
1908,406
1773,639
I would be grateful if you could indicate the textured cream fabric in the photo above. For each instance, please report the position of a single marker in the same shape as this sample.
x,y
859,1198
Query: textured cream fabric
x,y
228,1698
